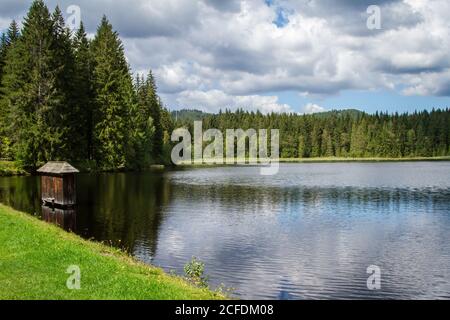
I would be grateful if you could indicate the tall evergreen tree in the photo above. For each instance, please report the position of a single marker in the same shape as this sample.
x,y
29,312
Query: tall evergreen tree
x,y
113,99
144,122
6,41
83,95
13,33
64,62
32,92
154,106
3,48
3,137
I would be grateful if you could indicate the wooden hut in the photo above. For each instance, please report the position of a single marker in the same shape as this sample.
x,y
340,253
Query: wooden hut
x,y
58,184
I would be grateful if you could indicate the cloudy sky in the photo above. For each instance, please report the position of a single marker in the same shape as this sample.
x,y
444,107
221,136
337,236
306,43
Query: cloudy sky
x,y
280,55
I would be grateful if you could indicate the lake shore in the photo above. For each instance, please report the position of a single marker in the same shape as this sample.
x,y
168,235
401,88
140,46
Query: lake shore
x,y
330,160
370,159
10,168
35,257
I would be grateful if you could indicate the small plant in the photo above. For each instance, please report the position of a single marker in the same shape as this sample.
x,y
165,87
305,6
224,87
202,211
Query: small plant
x,y
194,273
225,291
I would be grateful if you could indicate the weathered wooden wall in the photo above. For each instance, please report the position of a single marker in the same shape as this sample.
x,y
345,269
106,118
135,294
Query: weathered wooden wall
x,y
59,188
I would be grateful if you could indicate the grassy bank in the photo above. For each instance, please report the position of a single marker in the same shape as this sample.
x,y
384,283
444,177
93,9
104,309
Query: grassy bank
x,y
34,257
9,168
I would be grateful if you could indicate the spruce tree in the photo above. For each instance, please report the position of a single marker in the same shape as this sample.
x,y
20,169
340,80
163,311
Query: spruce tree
x,y
67,110
13,33
6,41
113,100
32,94
83,94
144,123
3,137
154,106
3,47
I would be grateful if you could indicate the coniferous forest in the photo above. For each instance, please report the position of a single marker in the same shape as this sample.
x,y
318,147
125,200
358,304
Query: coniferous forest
x,y
348,133
66,97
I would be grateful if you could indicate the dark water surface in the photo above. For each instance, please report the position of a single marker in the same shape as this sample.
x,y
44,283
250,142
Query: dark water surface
x,y
309,232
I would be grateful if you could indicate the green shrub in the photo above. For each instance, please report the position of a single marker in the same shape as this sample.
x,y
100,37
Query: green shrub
x,y
194,273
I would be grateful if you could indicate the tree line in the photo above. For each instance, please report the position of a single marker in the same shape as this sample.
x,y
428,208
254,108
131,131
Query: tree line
x,y
66,97
349,133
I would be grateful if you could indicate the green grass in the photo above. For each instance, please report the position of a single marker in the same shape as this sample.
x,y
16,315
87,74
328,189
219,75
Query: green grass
x,y
10,168
34,257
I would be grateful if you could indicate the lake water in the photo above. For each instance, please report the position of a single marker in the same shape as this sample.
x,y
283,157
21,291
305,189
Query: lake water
x,y
309,232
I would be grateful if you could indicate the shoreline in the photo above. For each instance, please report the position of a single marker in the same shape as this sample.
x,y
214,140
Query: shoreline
x,y
369,159
326,160
35,257
10,169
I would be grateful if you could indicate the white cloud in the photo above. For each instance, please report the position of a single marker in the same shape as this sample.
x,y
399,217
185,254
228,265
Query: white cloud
x,y
200,49
311,108
241,53
215,100
429,84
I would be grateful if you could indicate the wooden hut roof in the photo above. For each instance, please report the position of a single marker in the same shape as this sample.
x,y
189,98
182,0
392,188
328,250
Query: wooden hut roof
x,y
57,167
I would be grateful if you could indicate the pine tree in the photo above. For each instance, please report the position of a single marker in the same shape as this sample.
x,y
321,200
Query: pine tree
x,y
327,144
316,142
113,99
68,113
3,138
83,95
167,126
32,92
6,41
144,128
13,33
3,48
301,147
358,139
154,105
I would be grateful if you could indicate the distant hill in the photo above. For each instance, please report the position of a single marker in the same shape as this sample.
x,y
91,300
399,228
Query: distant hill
x,y
353,113
188,115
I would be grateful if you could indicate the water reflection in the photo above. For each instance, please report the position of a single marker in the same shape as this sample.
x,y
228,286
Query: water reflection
x,y
308,233
63,218
124,209
21,193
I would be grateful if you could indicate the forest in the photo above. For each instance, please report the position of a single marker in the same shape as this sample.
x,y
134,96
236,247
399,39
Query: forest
x,y
66,97
346,133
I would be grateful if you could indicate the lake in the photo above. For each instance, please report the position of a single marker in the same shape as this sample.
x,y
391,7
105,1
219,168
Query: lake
x,y
309,232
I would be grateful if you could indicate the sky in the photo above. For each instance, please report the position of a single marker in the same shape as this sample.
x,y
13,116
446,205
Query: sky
x,y
300,56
